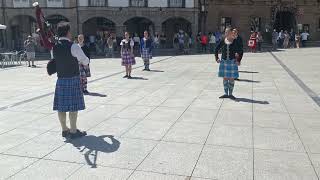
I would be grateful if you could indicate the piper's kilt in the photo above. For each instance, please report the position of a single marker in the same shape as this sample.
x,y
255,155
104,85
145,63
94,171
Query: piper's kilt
x,y
84,70
68,95
146,54
127,59
228,69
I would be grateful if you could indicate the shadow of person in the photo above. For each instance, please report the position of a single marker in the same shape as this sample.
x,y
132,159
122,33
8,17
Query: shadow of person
x,y
92,145
96,94
251,101
248,80
156,70
252,72
139,78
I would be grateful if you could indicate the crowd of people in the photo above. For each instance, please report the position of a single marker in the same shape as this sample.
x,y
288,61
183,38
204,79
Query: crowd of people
x,y
285,39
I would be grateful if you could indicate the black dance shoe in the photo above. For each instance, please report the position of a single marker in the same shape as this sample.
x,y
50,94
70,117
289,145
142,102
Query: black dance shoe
x,y
65,133
78,134
224,96
232,97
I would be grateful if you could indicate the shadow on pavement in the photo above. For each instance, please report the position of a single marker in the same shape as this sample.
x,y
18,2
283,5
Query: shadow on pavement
x,y
92,145
248,80
139,78
251,101
156,71
252,72
96,94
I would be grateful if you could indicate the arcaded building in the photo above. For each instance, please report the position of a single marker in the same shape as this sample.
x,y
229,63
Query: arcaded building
x,y
90,16
263,15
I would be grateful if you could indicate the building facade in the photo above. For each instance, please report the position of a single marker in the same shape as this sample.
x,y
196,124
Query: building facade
x,y
90,16
264,15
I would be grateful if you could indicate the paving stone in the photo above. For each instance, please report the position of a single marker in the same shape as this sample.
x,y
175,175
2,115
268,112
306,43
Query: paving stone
x,y
172,158
225,163
277,139
10,165
138,175
282,165
272,120
45,169
101,173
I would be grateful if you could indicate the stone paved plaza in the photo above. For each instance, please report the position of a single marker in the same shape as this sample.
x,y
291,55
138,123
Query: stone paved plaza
x,y
169,124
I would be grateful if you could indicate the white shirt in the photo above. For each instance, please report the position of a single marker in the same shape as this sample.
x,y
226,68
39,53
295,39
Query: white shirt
x,y
304,36
212,39
77,52
136,39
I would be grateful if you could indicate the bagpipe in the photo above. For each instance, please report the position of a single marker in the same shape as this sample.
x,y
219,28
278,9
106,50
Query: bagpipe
x,y
47,37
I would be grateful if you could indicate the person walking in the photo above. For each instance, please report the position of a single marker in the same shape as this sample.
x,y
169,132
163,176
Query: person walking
x,y
110,47
204,42
228,68
30,47
275,36
127,54
281,39
286,40
146,50
252,43
212,42
298,39
239,45
84,69
304,37
292,39
259,41
68,95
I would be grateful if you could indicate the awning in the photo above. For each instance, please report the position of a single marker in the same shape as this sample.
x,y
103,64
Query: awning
x,y
3,26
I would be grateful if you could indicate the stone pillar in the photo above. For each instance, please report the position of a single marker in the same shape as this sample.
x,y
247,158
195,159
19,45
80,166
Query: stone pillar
x,y
158,28
120,29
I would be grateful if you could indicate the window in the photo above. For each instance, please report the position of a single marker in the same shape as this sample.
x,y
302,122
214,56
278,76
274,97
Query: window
x,y
98,3
21,3
225,22
138,3
177,3
255,23
54,3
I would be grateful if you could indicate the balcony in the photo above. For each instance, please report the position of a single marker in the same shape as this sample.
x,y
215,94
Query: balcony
x,y
98,3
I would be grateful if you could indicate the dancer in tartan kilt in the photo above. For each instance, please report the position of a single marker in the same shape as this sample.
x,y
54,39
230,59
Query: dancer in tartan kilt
x,y
228,68
239,43
146,50
84,69
68,94
127,55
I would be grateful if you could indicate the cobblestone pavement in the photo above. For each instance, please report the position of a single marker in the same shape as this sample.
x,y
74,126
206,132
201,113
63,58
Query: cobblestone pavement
x,y
168,124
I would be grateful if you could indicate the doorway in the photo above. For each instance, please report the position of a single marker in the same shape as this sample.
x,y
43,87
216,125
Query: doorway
x,y
285,20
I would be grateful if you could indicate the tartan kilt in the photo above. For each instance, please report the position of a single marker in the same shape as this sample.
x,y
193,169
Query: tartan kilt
x,y
228,69
145,54
127,59
68,95
84,71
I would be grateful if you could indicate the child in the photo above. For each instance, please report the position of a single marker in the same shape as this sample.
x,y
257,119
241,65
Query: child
x,y
127,55
84,69
146,50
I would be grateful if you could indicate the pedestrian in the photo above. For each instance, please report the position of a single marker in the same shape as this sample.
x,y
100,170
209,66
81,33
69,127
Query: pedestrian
x,y
298,39
304,37
186,45
275,37
156,41
281,39
110,46
198,41
84,69
30,47
146,50
252,43
127,55
228,68
239,45
163,40
292,38
176,43
259,41
68,95
212,42
286,40
181,40
204,42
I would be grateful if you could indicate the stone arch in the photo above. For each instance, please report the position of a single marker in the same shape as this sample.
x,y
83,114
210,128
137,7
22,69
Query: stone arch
x,y
173,25
21,26
138,25
98,24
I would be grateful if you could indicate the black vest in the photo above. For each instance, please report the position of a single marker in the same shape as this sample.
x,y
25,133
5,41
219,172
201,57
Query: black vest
x,y
67,65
